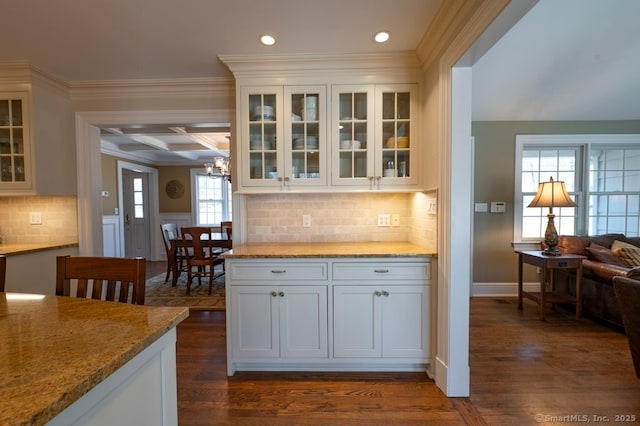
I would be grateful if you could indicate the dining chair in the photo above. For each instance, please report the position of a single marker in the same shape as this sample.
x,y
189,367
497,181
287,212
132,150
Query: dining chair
x,y
204,256
170,231
3,271
226,228
627,291
90,274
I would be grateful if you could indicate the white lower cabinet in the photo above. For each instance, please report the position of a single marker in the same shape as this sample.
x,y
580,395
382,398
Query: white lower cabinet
x,y
342,314
279,321
383,321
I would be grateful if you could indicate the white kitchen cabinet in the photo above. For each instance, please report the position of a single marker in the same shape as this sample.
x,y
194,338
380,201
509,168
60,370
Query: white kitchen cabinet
x,y
374,136
279,322
383,321
282,137
14,131
37,148
328,314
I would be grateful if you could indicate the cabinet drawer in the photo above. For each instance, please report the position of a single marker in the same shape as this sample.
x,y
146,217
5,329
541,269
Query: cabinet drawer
x,y
381,271
276,271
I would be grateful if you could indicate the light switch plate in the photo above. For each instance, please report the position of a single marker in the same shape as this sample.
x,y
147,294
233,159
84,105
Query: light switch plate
x,y
498,207
481,207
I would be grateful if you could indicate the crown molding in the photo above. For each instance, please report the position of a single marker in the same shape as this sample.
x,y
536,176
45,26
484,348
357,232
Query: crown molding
x,y
153,88
23,73
246,66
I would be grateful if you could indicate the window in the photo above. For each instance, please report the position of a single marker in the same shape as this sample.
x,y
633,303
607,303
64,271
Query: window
x,y
138,198
211,198
601,173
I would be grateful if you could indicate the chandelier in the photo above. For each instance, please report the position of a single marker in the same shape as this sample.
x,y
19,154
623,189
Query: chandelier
x,y
223,166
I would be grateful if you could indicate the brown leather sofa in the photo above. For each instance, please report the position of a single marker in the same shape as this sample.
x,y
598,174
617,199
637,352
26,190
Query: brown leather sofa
x,y
598,296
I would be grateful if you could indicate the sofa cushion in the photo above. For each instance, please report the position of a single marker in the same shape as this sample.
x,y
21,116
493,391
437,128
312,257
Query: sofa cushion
x,y
573,244
602,254
634,273
628,252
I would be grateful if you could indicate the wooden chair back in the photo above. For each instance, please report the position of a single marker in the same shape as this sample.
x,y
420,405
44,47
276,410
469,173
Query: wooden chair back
x,y
169,232
204,256
3,270
627,292
226,227
105,278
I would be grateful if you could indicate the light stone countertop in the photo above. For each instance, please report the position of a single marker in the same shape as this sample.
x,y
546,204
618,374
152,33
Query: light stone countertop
x,y
24,248
56,349
349,249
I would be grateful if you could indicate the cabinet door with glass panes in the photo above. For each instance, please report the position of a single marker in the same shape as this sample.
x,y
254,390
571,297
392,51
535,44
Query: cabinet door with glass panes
x,y
261,122
14,133
396,135
305,145
352,133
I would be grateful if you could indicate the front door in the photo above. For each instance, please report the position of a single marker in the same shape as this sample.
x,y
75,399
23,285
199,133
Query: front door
x,y
135,196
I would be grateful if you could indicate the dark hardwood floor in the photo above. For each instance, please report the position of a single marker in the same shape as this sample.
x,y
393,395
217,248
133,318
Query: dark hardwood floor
x,y
523,372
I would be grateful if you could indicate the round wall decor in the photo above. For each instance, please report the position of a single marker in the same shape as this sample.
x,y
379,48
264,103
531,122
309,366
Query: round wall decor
x,y
174,189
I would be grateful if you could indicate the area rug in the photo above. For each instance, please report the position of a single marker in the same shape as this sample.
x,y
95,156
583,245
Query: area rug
x,y
159,293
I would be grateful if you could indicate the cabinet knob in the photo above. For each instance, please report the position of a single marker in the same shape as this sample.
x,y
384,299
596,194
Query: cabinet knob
x,y
281,293
385,293
274,294
377,293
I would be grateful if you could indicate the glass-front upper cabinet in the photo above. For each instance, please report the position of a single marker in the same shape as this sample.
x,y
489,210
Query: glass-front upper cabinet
x,y
283,141
12,140
396,133
261,130
353,134
373,127
304,135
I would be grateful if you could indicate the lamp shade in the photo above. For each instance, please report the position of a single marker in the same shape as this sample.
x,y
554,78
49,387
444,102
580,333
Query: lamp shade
x,y
552,194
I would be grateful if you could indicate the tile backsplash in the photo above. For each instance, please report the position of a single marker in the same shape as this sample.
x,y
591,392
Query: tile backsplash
x,y
342,217
59,219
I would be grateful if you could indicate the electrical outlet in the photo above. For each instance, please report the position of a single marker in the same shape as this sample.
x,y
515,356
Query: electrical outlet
x,y
35,218
395,219
306,220
384,220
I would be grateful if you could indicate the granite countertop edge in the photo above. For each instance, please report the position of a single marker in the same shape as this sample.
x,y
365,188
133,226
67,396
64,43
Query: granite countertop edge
x,y
329,250
25,248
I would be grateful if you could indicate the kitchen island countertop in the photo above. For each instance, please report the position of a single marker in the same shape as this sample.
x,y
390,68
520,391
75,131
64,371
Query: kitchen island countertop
x,y
56,349
337,249
24,248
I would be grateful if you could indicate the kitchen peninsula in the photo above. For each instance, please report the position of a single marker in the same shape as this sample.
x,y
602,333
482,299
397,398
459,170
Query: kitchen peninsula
x,y
355,306
68,360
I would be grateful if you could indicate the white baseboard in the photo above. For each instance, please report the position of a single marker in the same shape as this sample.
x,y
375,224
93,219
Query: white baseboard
x,y
501,289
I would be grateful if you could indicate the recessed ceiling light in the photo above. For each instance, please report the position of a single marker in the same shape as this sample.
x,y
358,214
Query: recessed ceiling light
x,y
381,37
267,40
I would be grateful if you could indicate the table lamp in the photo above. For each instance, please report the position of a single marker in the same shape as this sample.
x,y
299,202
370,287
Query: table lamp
x,y
551,194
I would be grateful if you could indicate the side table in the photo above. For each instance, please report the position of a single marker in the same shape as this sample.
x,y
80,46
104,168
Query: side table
x,y
547,264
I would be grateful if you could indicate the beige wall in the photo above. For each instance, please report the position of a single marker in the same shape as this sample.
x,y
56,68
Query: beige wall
x,y
181,174
59,219
493,257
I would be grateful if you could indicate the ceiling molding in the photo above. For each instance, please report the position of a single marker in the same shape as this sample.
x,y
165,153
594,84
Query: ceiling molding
x,y
243,66
153,88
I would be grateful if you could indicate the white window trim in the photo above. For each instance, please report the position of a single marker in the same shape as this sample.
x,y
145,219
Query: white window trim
x,y
194,198
585,141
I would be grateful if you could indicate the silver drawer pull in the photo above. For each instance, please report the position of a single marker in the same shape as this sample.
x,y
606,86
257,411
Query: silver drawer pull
x,y
281,293
381,271
278,271
377,293
274,294
385,293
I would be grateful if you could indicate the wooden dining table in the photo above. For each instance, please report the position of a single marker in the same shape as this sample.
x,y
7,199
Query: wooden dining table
x,y
218,241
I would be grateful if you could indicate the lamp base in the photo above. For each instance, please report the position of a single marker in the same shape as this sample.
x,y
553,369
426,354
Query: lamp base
x,y
551,252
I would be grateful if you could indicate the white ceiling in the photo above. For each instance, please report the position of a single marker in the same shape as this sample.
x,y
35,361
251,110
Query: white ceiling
x,y
565,59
